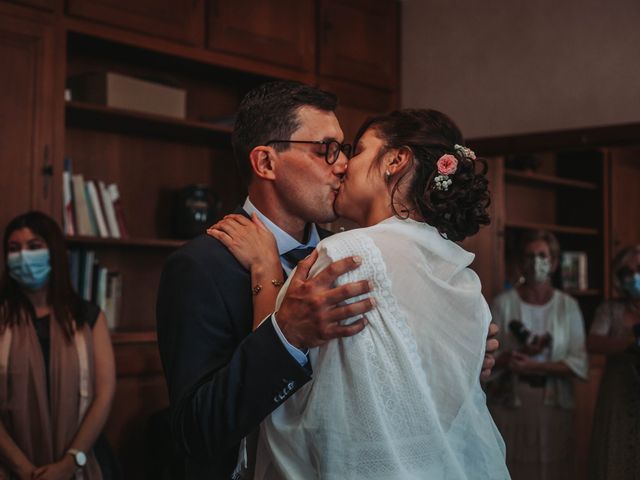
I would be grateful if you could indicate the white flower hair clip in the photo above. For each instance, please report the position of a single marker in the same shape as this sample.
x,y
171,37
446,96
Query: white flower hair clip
x,y
447,165
465,152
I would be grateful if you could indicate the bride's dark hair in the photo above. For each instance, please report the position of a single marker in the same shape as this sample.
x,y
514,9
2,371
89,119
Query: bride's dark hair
x,y
456,212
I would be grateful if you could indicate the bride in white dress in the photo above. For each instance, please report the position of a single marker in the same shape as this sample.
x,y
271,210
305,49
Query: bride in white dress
x,y
401,399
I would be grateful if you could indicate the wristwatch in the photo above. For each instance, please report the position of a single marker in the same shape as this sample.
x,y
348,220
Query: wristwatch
x,y
78,456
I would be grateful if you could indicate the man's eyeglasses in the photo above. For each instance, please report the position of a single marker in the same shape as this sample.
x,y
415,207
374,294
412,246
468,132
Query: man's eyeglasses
x,y
332,148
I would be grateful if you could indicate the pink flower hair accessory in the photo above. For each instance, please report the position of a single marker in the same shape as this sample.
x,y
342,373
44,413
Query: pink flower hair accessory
x,y
447,165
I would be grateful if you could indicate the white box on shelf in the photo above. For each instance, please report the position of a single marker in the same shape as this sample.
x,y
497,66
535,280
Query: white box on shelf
x,y
121,91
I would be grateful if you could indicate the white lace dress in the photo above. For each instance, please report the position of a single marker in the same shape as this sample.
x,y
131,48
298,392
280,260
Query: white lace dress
x,y
402,399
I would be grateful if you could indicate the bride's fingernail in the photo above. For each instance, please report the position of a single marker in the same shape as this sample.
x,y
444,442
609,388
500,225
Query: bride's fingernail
x,y
357,259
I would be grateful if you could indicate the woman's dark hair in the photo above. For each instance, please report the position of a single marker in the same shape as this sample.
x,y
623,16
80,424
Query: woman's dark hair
x,y
67,304
270,112
457,212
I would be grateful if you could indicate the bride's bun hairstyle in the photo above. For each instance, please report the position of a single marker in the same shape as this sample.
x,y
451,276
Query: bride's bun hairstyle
x,y
447,185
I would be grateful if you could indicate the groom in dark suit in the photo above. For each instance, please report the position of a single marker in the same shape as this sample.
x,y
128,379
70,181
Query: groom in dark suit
x,y
223,378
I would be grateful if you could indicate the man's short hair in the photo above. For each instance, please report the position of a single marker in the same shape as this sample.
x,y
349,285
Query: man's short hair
x,y
270,112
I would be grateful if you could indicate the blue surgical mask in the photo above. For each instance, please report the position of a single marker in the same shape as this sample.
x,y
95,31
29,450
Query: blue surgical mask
x,y
30,268
632,286
542,268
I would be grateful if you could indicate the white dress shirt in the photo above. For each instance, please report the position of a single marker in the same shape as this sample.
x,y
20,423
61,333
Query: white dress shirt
x,y
285,243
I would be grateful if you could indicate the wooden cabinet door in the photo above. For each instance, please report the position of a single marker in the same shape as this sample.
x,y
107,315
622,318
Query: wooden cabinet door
x,y
358,41
26,99
625,197
274,31
356,103
181,20
44,4
488,243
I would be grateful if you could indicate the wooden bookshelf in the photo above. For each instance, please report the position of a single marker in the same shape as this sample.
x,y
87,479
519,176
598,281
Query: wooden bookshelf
x,y
124,242
92,116
550,180
590,292
122,338
555,228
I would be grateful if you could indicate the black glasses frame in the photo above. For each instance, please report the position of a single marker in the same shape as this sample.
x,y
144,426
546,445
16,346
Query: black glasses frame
x,y
345,148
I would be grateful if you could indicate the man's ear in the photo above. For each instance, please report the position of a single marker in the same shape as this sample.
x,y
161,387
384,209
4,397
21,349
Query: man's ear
x,y
399,160
261,160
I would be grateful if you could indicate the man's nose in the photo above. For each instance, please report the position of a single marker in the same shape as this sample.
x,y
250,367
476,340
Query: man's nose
x,y
340,166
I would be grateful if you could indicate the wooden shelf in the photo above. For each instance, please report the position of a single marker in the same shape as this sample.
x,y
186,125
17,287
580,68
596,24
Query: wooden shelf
x,y
93,116
550,180
95,35
554,228
120,338
124,242
590,292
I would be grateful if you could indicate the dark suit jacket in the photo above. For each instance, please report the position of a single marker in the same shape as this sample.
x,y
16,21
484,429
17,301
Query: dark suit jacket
x,y
223,378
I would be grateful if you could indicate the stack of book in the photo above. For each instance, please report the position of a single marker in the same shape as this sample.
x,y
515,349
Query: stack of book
x,y
91,207
96,284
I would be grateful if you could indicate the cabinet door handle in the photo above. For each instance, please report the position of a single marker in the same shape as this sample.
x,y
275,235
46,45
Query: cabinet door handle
x,y
47,173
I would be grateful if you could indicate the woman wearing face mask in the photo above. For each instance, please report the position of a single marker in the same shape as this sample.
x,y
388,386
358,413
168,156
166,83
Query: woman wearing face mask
x,y
615,332
57,373
542,350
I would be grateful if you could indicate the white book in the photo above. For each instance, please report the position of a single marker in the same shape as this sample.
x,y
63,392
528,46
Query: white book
x,y
97,210
101,290
87,277
109,212
67,199
113,295
81,207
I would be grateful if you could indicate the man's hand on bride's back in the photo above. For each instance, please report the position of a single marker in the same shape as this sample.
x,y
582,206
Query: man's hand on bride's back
x,y
489,355
310,312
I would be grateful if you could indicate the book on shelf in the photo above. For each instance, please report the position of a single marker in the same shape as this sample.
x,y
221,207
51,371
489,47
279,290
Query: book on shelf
x,y
97,284
87,275
68,219
80,206
74,269
113,299
96,209
574,270
109,212
118,209
92,208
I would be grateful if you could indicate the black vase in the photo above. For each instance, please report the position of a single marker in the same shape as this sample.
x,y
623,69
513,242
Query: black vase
x,y
196,208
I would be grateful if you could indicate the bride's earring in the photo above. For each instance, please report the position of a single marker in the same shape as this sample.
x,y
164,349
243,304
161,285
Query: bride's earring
x,y
387,176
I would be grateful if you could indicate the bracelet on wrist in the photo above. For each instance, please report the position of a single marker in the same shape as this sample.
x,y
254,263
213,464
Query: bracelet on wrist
x,y
258,287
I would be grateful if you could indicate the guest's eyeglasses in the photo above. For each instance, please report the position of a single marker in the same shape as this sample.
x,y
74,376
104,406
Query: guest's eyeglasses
x,y
332,148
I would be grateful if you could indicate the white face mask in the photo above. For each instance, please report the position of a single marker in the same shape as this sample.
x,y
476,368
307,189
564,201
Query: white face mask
x,y
542,268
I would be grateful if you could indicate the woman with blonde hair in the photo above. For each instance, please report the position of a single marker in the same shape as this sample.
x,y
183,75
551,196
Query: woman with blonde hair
x,y
542,350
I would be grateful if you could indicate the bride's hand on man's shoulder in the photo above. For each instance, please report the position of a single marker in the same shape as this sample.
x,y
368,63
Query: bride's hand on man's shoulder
x,y
248,240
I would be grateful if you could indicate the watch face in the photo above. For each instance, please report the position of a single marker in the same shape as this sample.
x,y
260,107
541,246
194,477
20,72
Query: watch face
x,y
81,459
